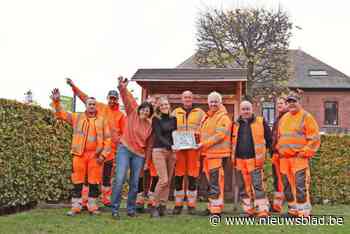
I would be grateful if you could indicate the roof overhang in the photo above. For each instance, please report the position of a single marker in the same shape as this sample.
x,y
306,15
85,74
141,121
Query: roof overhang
x,y
190,75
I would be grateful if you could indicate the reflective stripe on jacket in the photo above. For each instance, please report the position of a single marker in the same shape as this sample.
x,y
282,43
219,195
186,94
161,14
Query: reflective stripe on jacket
x,y
215,134
80,124
114,117
190,122
298,134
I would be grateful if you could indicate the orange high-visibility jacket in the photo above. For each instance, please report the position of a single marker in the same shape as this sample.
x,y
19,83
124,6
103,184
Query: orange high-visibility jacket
x,y
115,119
190,122
215,134
258,138
298,134
80,124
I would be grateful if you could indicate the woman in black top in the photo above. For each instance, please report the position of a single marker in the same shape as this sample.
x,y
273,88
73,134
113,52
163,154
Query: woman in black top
x,y
163,157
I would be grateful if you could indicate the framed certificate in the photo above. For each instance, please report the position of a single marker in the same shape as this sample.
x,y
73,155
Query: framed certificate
x,y
184,140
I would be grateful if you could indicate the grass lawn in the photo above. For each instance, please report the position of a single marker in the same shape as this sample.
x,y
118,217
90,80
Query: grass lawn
x,y
40,221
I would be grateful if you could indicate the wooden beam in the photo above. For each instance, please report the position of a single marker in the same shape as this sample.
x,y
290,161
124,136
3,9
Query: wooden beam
x,y
144,94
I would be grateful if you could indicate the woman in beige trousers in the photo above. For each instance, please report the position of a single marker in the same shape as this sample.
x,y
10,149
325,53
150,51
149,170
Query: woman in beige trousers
x,y
163,157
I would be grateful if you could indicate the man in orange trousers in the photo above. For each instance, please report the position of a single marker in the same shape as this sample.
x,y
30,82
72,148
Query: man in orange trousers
x,y
188,118
91,144
251,137
115,119
298,141
215,146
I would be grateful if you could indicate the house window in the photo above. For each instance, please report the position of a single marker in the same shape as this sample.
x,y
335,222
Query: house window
x,y
331,113
268,109
318,73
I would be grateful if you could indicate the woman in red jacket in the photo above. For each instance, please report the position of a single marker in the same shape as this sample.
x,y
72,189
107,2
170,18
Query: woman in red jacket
x,y
131,150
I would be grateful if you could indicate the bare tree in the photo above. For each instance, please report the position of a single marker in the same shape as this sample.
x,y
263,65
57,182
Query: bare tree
x,y
253,38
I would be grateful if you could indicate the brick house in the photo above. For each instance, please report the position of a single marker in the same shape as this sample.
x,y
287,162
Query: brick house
x,y
326,91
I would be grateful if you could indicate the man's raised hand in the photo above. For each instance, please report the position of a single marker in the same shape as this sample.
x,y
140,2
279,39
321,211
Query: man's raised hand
x,y
122,82
55,95
69,82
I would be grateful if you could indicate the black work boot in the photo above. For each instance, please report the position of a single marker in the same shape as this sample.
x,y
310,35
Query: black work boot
x,y
177,210
155,212
191,210
162,210
140,208
206,212
116,216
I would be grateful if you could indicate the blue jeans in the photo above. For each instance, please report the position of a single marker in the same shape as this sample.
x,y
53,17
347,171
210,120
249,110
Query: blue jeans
x,y
125,159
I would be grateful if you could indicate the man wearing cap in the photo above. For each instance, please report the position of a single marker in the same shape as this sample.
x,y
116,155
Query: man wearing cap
x,y
298,141
115,119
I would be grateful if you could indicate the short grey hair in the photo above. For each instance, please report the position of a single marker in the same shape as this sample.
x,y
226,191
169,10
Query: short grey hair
x,y
216,95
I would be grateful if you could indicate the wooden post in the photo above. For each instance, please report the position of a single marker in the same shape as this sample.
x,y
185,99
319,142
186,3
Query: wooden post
x,y
144,94
235,189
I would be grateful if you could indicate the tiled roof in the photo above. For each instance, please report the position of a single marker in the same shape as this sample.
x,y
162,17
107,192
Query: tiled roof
x,y
301,65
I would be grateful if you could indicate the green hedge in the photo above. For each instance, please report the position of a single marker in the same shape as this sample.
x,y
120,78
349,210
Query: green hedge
x,y
35,163
330,171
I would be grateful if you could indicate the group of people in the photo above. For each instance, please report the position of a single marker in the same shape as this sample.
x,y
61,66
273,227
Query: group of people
x,y
105,140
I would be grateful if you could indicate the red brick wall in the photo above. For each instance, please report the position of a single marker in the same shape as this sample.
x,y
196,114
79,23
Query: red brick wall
x,y
313,102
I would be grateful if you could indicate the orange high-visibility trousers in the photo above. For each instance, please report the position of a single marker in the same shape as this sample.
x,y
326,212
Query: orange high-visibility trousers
x,y
152,168
153,183
187,164
296,184
278,197
251,187
214,172
146,179
86,165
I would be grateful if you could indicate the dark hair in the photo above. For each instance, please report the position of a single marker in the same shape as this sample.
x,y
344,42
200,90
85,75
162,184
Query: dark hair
x,y
90,98
145,105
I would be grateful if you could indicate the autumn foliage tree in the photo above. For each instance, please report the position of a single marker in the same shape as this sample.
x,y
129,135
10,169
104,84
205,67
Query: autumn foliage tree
x,y
253,38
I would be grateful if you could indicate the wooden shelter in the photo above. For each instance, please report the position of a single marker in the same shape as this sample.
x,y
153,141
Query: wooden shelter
x,y
171,83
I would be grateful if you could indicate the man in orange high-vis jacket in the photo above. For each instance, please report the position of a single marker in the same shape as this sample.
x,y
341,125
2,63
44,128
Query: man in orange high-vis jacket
x,y
298,141
115,119
278,196
189,119
215,145
91,145
251,137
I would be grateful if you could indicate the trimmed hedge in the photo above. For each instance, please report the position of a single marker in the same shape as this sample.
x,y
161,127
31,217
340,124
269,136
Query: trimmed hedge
x,y
330,171
35,163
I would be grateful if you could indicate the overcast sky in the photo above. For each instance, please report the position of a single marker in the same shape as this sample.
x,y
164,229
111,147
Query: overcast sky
x,y
93,41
